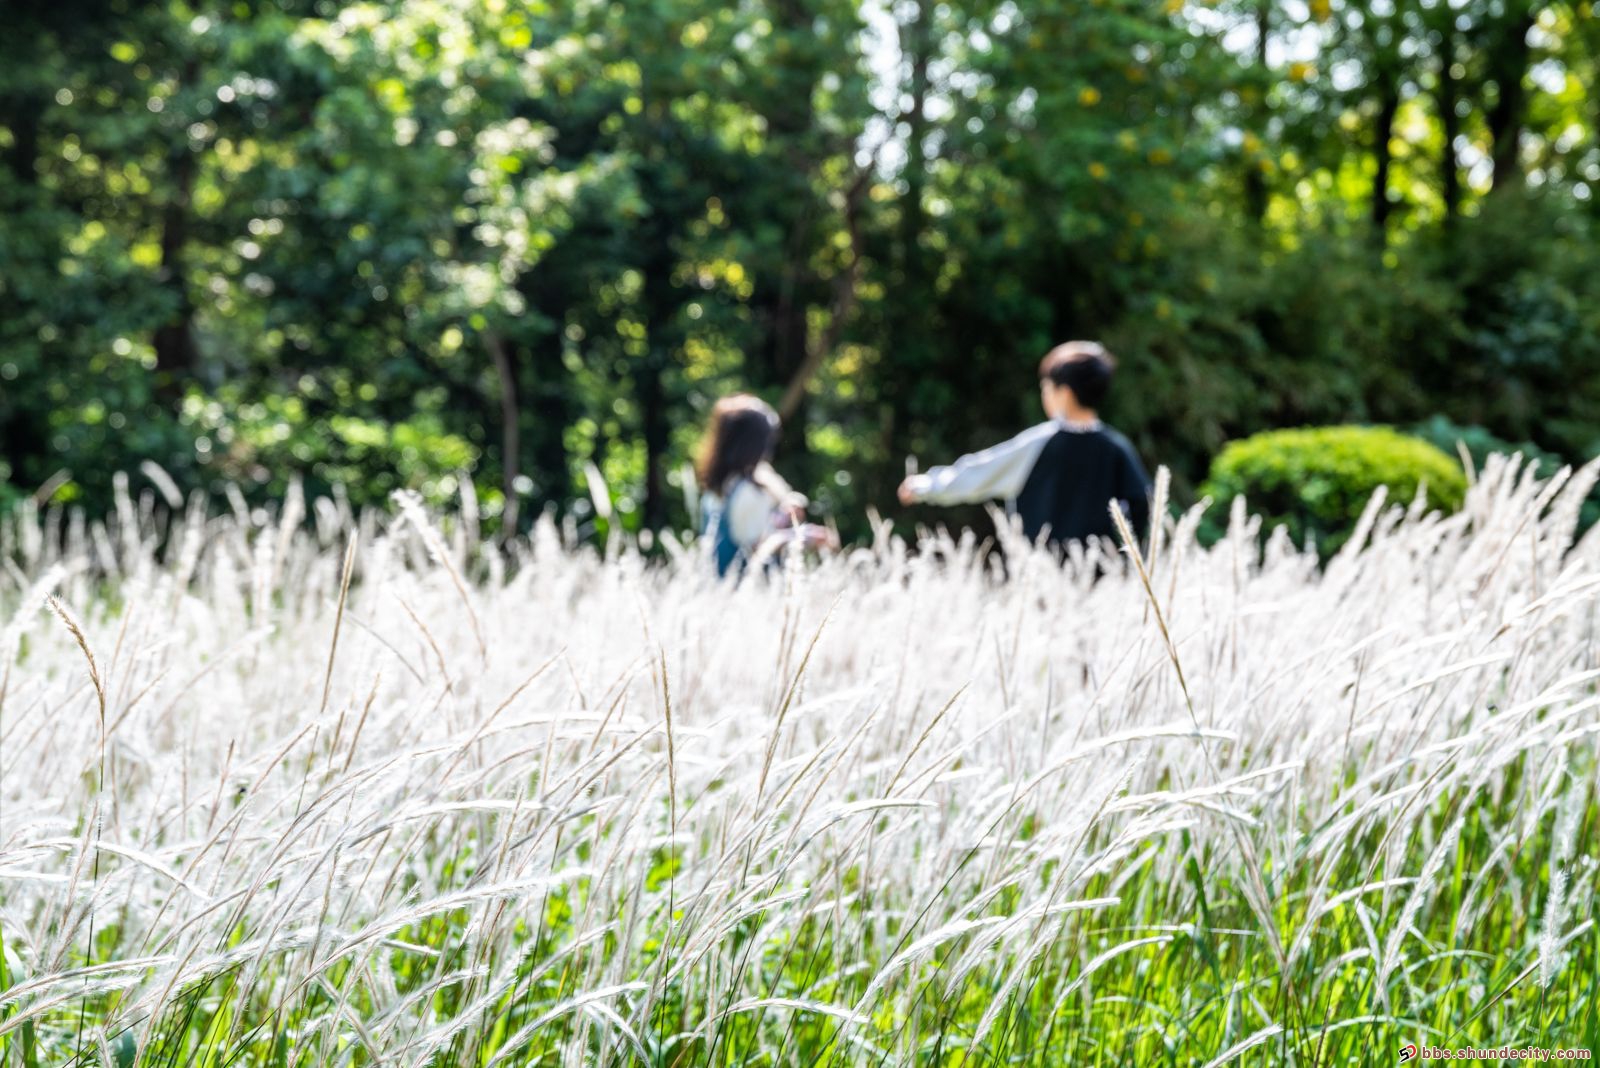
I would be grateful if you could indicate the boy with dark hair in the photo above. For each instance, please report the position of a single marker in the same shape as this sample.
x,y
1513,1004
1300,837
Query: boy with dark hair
x,y
1061,475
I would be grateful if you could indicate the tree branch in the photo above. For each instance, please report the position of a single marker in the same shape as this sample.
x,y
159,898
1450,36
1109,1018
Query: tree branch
x,y
845,297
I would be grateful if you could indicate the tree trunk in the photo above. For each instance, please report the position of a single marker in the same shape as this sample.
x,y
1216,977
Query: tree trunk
x,y
656,433
917,44
176,354
22,154
24,426
791,118
510,428
910,325
1449,97
551,414
1255,182
1383,131
660,302
1508,65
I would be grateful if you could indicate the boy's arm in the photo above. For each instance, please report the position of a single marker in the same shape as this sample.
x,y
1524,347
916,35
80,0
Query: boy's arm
x,y
997,472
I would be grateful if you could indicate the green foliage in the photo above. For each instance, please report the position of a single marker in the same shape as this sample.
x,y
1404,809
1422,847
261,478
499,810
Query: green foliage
x,y
1316,481
551,235
1480,444
263,445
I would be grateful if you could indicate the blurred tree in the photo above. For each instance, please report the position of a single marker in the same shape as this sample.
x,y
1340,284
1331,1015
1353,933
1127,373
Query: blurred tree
x,y
376,244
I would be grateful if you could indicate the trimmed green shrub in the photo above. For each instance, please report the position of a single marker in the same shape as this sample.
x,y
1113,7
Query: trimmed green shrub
x,y
1315,481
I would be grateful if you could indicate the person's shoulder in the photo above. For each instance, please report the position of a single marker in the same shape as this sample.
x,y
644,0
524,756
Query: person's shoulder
x,y
1123,448
766,479
1044,432
1054,437
1116,437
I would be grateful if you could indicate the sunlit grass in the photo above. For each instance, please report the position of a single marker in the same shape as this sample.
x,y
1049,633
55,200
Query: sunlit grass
x,y
543,805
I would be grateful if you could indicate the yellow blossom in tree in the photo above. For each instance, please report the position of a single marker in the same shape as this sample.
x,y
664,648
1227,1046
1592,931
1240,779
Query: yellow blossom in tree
x,y
1252,143
1174,6
1299,72
1098,171
1089,97
1160,156
1321,10
1127,140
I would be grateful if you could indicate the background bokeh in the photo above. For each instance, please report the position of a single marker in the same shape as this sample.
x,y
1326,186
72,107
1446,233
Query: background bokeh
x,y
379,245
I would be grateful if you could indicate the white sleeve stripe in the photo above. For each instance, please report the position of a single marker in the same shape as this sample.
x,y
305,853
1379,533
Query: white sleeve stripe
x,y
996,472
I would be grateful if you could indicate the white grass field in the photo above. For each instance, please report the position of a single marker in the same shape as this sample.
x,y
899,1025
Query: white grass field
x,y
540,806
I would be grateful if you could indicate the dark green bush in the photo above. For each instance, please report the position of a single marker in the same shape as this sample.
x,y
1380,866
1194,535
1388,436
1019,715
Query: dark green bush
x,y
1480,444
1315,481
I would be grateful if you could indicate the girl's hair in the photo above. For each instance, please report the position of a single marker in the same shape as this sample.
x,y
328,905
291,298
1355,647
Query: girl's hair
x,y
742,433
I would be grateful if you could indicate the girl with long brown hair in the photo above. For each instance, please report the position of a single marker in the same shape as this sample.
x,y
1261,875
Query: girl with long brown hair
x,y
751,513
